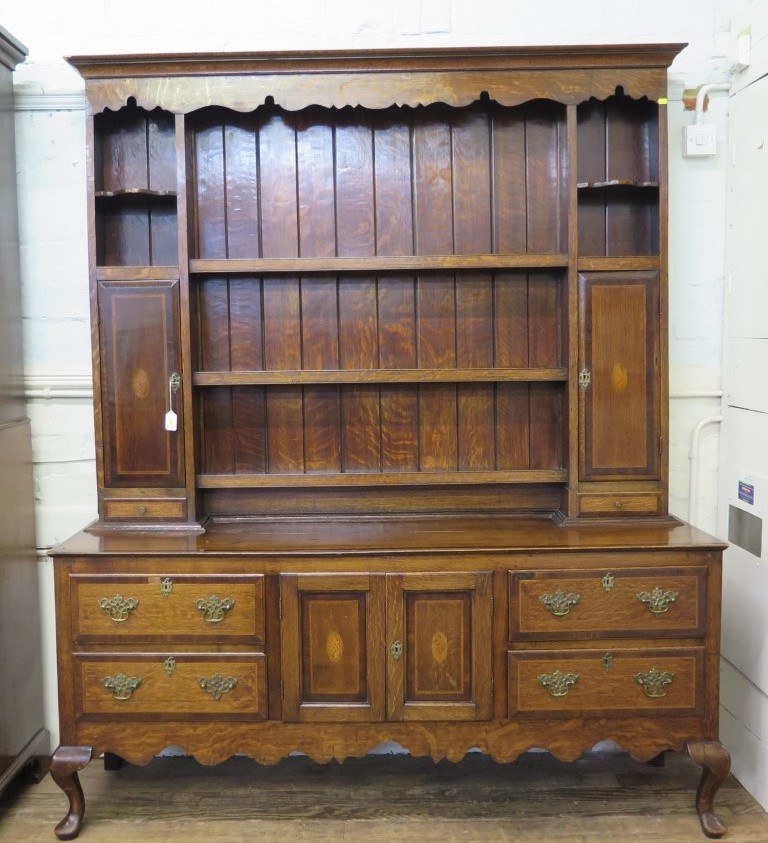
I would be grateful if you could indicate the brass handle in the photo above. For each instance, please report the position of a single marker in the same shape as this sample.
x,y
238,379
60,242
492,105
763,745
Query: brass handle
x,y
559,603
121,686
397,650
655,682
217,685
214,609
558,683
118,607
657,601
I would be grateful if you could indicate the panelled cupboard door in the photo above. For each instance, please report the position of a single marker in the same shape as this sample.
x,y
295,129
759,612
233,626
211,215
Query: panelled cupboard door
x,y
421,643
139,338
439,646
619,401
332,631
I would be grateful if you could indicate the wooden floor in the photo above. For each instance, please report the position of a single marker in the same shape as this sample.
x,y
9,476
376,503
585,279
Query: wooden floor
x,y
601,798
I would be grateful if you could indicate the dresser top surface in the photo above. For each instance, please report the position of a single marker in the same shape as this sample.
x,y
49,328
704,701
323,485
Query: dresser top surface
x,y
389,535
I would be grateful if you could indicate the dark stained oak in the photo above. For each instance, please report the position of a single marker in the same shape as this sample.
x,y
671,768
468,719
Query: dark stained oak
x,y
619,322
395,513
716,763
66,761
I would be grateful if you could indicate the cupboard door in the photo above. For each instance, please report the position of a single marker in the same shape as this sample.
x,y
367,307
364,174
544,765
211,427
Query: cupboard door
x,y
332,629
139,333
620,417
439,646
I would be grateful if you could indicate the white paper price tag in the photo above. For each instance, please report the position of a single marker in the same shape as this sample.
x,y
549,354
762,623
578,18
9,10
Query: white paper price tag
x,y
171,420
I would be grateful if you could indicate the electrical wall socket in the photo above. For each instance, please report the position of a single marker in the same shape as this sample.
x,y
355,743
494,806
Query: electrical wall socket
x,y
699,139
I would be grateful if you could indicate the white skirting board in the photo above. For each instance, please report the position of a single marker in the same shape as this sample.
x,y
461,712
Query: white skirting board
x,y
744,730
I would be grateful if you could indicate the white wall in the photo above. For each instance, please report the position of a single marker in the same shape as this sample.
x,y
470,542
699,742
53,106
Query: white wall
x,y
52,189
744,697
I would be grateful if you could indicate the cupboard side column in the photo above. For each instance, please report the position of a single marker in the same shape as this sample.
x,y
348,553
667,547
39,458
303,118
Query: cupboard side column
x,y
572,303
663,307
186,317
90,168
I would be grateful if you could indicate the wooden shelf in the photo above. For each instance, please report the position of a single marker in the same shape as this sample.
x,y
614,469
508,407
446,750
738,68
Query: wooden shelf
x,y
352,376
392,263
646,263
402,478
137,273
135,191
617,184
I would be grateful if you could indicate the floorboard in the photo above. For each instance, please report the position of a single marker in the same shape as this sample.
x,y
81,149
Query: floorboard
x,y
601,798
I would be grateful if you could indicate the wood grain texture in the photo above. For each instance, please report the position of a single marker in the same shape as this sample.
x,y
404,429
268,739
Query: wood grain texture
x,y
605,796
598,689
173,616
332,632
380,268
140,342
182,694
442,624
135,184
612,611
619,319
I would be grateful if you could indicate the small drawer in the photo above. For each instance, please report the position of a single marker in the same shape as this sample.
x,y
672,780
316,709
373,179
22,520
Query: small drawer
x,y
145,509
135,608
176,684
645,601
619,504
592,682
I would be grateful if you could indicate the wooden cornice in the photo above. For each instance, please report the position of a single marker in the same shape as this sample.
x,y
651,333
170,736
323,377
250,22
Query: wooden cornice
x,y
375,79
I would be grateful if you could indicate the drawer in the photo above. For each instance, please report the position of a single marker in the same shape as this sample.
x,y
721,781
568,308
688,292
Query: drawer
x,y
176,685
145,509
592,604
620,503
182,607
596,682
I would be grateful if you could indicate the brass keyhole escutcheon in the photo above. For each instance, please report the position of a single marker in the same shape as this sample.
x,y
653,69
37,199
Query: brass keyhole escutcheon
x,y
166,587
169,665
397,650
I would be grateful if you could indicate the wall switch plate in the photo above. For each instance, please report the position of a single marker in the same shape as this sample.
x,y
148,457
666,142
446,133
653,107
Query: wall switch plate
x,y
699,139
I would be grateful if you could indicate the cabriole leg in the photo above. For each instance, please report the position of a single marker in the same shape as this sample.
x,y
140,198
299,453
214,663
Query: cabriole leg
x,y
66,761
716,761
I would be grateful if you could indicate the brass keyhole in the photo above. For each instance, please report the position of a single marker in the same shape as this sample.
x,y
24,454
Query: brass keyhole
x,y
397,650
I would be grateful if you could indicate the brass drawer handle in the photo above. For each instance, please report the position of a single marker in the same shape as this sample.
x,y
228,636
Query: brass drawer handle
x,y
217,685
657,601
655,682
214,609
121,686
118,607
559,603
558,683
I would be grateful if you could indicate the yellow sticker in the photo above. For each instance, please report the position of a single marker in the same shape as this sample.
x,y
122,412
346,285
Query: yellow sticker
x,y
662,100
